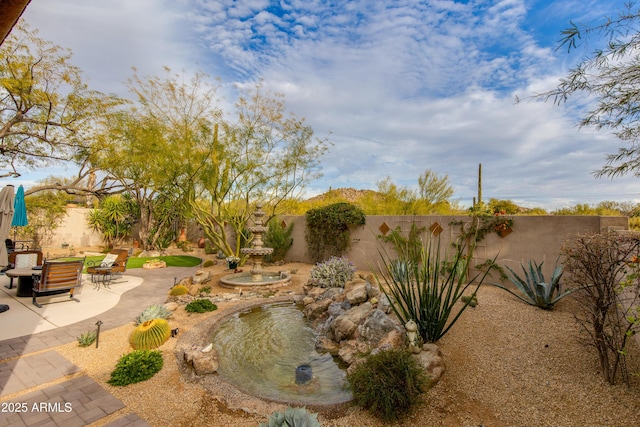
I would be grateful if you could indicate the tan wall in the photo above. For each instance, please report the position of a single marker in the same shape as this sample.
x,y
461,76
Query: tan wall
x,y
74,230
534,237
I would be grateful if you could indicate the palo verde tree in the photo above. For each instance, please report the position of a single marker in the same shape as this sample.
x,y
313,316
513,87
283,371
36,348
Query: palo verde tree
x,y
263,155
158,146
47,113
609,76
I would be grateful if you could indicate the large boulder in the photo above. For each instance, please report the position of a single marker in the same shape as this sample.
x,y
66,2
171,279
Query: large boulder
x,y
315,310
202,363
430,358
357,294
376,327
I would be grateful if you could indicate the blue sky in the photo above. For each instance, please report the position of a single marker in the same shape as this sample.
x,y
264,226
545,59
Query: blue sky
x,y
398,86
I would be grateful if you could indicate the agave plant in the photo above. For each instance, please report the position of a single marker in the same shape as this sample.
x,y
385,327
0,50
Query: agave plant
x,y
292,417
534,289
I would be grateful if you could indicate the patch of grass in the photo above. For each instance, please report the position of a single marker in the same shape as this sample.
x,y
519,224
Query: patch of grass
x,y
170,260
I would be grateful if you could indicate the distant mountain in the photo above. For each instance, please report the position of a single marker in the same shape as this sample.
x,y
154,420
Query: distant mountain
x,y
350,195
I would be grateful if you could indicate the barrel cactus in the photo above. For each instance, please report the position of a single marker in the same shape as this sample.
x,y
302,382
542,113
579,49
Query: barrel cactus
x,y
150,334
178,290
153,312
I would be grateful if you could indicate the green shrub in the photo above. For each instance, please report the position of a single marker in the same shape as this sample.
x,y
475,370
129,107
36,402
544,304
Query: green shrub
x,y
209,263
388,383
292,417
200,306
153,312
327,231
278,238
333,273
424,291
533,289
139,365
87,338
205,289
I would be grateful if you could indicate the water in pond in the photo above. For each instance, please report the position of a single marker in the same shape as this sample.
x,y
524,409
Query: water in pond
x,y
260,351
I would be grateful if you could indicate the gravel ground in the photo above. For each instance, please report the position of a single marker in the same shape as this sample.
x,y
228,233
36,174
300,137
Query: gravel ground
x,y
508,364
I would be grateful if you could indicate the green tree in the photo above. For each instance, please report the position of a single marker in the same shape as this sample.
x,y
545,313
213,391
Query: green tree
x,y
609,75
113,218
434,190
45,211
504,207
157,147
265,156
47,113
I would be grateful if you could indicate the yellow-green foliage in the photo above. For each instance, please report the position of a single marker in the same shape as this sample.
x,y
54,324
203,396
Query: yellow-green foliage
x,y
178,290
150,334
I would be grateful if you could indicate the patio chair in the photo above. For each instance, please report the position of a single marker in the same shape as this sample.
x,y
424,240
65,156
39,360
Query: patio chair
x,y
57,277
23,259
114,263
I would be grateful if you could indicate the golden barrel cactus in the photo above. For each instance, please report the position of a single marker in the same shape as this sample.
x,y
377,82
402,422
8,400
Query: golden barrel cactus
x,y
150,334
178,290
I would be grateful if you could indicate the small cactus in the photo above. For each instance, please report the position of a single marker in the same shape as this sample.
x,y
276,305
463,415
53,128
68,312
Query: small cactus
x,y
150,334
179,290
153,312
472,300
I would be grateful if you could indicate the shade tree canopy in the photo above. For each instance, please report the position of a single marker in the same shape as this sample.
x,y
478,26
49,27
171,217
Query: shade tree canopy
x,y
47,113
608,76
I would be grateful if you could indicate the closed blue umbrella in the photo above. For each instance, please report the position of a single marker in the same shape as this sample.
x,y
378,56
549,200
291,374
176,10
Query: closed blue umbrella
x,y
19,210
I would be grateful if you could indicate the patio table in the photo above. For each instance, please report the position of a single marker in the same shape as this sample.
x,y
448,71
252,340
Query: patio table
x,y
25,279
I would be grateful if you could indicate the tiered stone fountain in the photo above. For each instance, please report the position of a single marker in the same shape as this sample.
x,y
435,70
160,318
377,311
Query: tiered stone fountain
x,y
257,277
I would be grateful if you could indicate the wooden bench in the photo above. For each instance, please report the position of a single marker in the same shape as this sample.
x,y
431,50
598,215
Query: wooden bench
x,y
58,277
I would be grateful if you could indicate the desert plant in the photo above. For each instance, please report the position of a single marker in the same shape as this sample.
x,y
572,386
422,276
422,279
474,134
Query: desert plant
x,y
178,290
209,263
87,338
200,306
327,231
153,312
139,365
278,237
387,383
150,334
292,417
205,289
533,289
607,269
332,273
425,292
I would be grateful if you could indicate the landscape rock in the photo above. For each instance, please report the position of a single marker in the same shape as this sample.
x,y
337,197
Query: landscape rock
x,y
430,358
201,276
357,294
202,363
376,326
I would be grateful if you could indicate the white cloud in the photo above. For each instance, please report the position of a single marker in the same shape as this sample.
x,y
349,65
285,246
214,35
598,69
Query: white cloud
x,y
399,86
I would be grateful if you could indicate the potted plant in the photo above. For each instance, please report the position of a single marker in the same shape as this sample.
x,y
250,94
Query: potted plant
x,y
232,262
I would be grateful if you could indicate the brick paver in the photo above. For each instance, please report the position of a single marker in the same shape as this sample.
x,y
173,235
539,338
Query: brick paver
x,y
30,371
78,401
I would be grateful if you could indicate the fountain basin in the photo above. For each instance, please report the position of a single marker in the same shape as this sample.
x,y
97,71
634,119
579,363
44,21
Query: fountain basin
x,y
239,396
269,352
266,279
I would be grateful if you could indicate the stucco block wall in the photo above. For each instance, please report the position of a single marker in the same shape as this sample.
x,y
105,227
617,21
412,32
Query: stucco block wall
x,y
74,230
534,237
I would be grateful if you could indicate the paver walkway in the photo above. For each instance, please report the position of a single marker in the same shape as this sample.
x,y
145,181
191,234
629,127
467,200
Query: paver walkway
x,y
39,387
